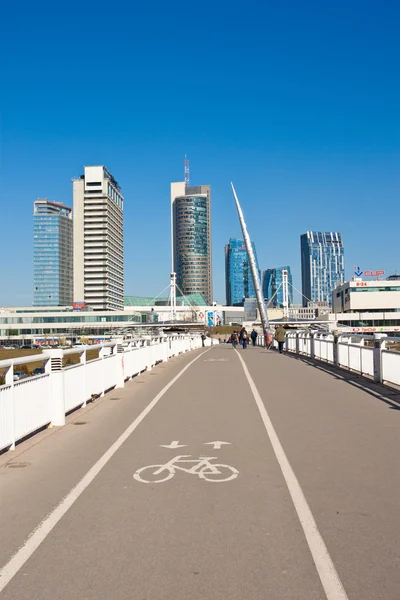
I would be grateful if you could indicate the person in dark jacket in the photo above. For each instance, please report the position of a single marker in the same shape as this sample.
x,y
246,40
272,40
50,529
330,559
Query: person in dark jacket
x,y
234,339
245,339
254,336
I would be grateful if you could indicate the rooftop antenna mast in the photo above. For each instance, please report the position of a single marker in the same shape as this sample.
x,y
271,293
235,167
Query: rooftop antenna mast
x,y
187,171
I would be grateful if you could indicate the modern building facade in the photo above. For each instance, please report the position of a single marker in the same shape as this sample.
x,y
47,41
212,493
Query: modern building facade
x,y
238,279
360,295
191,238
52,254
322,265
98,240
273,288
52,325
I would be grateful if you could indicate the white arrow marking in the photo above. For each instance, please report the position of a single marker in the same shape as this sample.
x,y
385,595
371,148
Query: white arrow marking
x,y
217,445
216,360
174,444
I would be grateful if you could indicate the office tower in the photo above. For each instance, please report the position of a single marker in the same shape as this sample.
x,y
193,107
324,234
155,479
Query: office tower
x,y
238,279
191,238
322,265
273,288
52,254
98,240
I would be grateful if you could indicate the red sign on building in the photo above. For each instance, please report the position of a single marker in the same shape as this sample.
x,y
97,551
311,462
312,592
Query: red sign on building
x,y
78,305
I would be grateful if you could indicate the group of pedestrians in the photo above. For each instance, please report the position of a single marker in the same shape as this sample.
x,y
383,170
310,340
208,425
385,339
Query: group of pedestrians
x,y
243,337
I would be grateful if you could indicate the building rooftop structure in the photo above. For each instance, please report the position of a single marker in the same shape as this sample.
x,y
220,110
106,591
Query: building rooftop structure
x,y
188,300
361,295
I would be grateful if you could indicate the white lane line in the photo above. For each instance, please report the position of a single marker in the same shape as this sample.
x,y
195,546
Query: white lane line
x,y
39,534
331,583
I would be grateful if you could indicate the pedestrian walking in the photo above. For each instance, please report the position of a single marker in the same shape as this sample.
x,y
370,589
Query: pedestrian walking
x,y
245,339
254,337
234,339
280,337
203,339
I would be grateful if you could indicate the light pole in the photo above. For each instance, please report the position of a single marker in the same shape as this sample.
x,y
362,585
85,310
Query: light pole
x,y
285,290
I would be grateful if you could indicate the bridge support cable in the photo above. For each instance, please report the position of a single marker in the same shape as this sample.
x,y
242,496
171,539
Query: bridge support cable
x,y
303,295
273,296
194,308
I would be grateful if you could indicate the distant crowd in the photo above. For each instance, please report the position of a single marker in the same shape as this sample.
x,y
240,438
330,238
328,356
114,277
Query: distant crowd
x,y
243,338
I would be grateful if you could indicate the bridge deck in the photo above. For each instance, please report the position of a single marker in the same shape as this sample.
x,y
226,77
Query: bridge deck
x,y
194,536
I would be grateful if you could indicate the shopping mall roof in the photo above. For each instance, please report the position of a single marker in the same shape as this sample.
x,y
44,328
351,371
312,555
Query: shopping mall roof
x,y
189,300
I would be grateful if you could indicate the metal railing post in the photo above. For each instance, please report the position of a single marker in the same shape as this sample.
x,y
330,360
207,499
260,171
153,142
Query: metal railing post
x,y
56,368
166,348
150,355
9,380
312,345
105,351
120,362
336,340
379,343
82,360
297,343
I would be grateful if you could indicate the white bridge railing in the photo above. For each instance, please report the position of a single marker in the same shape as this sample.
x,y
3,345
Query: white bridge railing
x,y
373,356
31,403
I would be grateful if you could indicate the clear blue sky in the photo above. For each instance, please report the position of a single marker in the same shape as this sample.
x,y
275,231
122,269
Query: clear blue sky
x,y
296,102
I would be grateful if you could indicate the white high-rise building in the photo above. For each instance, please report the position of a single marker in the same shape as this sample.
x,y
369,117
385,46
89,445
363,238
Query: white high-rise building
x,y
98,240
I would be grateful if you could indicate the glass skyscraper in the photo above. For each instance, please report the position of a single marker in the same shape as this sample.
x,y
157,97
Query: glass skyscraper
x,y
272,288
52,254
322,265
238,279
191,239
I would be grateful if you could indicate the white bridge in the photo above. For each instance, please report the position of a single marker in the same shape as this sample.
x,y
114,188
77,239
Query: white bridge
x,y
43,400
376,356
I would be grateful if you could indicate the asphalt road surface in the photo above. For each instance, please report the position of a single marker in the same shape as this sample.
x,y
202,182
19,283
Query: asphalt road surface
x,y
220,475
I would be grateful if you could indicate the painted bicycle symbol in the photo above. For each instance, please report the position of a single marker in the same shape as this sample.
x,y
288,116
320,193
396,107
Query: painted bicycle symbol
x,y
202,467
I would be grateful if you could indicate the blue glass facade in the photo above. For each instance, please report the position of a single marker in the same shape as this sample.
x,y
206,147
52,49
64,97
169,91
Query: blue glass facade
x,y
52,254
238,279
322,265
272,288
